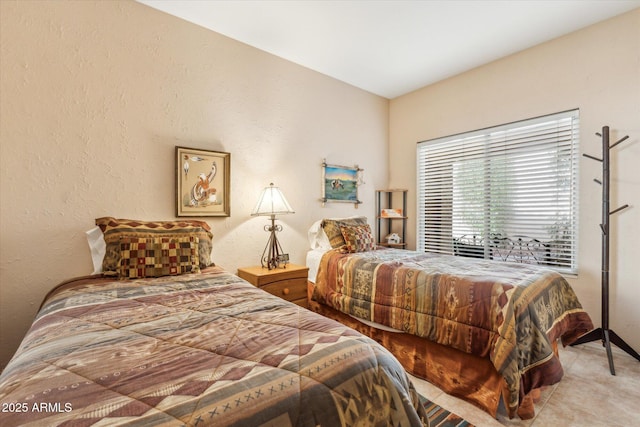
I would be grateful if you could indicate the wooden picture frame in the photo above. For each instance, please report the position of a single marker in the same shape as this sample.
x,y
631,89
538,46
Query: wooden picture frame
x,y
340,183
202,182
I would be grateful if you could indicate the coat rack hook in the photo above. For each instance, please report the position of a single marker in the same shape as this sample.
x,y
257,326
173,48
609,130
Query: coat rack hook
x,y
599,134
619,141
619,209
592,157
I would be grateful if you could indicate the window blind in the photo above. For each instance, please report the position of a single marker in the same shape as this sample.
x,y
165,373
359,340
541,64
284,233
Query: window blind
x,y
507,193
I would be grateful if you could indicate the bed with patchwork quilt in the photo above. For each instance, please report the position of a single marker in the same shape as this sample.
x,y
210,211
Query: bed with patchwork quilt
x,y
197,349
479,329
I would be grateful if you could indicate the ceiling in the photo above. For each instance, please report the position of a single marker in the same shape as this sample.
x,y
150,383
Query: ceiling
x,y
390,47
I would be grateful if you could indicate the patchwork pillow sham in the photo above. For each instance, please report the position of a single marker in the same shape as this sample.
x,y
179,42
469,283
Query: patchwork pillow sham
x,y
331,228
115,229
358,238
157,256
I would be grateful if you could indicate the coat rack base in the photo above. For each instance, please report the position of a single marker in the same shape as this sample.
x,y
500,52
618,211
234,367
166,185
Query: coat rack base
x,y
607,336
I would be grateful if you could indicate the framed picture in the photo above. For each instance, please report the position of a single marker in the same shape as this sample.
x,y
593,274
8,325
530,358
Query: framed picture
x,y
202,182
391,213
340,183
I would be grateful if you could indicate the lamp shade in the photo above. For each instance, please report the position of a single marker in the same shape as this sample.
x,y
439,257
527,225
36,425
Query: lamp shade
x,y
272,202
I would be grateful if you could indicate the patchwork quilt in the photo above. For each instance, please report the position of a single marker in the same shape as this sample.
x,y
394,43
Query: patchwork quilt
x,y
197,350
507,312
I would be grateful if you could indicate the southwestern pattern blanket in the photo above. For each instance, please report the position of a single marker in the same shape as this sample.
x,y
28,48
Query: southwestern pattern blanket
x,y
508,312
198,349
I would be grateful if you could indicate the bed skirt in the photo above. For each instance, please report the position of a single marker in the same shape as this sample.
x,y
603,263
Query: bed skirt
x,y
469,377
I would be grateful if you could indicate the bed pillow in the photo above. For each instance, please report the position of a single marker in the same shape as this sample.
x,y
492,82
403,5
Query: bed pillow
x,y
157,256
114,229
358,238
98,248
331,228
317,237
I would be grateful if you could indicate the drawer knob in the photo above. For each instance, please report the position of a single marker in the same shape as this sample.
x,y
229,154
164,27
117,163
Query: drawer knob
x,y
285,291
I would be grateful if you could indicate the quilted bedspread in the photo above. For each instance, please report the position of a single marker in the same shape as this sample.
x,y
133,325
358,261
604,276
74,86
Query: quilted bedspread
x,y
200,349
508,312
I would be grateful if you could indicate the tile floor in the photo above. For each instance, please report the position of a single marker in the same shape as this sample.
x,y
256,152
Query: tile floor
x,y
587,395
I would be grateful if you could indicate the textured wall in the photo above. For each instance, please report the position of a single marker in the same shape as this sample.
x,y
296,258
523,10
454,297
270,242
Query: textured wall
x,y
95,95
596,70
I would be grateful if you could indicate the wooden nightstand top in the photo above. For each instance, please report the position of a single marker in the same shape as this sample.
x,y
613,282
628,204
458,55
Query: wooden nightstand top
x,y
259,276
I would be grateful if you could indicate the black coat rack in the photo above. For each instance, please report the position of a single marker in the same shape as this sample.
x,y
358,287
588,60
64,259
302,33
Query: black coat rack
x,y
604,333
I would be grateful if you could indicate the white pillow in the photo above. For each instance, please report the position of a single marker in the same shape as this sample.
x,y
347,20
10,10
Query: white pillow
x,y
98,248
317,237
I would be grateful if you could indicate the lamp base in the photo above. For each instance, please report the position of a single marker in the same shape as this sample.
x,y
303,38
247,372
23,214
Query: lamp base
x,y
273,256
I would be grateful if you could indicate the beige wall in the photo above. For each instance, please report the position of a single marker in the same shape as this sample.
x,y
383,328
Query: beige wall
x,y
596,70
95,95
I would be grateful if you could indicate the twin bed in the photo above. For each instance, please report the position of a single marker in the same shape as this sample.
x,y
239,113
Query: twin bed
x,y
195,347
479,329
162,337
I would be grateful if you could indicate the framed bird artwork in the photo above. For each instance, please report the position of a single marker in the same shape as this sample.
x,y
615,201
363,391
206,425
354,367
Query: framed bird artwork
x,y
202,182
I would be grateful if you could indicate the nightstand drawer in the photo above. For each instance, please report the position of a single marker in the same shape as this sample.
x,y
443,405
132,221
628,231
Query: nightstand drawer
x,y
288,283
291,290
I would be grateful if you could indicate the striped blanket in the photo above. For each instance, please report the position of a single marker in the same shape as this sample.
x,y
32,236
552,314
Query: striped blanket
x,y
199,349
511,313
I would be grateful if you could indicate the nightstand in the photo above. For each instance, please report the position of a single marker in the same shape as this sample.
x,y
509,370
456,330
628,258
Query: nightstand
x,y
288,283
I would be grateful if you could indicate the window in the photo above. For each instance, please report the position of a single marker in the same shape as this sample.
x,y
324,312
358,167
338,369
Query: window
x,y
507,193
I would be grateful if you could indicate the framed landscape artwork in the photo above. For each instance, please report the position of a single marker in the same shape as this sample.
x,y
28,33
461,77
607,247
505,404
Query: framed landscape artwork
x,y
340,183
202,182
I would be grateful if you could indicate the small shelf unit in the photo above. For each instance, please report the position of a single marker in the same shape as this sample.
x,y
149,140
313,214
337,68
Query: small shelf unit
x,y
394,201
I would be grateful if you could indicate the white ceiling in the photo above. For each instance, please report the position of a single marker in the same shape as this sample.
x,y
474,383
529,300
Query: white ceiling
x,y
393,47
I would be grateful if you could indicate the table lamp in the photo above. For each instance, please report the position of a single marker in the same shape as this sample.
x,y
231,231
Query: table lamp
x,y
271,203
